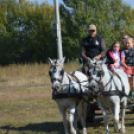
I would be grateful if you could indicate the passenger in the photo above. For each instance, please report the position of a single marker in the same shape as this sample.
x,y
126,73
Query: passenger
x,y
125,36
114,56
127,57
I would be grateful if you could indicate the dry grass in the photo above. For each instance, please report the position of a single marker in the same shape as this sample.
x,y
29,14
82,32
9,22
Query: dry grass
x,y
26,106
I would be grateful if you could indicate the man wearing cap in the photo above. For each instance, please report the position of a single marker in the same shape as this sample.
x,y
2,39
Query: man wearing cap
x,y
92,46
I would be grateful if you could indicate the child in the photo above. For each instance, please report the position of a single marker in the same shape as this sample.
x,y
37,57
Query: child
x,y
114,56
127,57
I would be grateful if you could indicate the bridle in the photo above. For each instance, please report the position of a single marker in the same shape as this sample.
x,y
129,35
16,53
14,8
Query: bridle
x,y
110,92
55,70
69,76
100,74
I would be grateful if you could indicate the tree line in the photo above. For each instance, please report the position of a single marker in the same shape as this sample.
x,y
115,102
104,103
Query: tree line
x,y
26,34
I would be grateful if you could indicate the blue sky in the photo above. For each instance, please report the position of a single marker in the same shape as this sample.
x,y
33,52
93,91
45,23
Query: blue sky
x,y
130,2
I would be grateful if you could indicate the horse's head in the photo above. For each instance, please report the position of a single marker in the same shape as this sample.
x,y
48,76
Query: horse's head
x,y
95,74
56,73
96,61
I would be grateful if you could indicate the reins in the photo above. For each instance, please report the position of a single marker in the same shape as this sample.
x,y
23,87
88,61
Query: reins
x,y
111,92
69,94
100,92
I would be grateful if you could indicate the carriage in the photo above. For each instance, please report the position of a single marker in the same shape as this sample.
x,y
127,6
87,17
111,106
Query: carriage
x,y
72,89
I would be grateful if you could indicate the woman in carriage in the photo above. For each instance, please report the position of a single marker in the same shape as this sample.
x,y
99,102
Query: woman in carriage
x,y
114,56
127,60
123,59
127,57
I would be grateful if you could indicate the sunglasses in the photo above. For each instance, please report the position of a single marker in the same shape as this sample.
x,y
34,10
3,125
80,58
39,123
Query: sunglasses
x,y
124,38
92,30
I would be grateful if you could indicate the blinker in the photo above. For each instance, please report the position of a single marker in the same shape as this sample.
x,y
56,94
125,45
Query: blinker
x,y
62,72
100,73
49,73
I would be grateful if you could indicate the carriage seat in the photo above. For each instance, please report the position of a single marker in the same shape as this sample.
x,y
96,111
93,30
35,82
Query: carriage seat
x,y
131,82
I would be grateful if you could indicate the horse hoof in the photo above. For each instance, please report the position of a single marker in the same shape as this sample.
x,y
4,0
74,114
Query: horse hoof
x,y
123,131
107,133
73,133
84,133
119,126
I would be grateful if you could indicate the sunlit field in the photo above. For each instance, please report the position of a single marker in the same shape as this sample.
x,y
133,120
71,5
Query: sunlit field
x,y
26,105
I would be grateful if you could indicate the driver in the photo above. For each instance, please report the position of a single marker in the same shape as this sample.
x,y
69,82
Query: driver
x,y
93,46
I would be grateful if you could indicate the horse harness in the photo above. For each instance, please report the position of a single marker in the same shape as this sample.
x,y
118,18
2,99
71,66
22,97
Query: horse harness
x,y
98,93
110,92
62,73
69,94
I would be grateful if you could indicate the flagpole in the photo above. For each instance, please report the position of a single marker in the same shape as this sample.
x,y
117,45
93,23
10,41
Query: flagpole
x,y
58,28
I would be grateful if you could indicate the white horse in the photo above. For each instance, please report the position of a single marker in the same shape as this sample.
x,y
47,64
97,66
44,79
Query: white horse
x,y
65,85
112,92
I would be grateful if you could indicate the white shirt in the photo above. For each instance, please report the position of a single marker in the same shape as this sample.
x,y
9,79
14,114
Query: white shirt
x,y
123,54
116,56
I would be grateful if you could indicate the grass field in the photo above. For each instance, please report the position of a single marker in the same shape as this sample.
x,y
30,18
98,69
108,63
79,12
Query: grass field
x,y
26,106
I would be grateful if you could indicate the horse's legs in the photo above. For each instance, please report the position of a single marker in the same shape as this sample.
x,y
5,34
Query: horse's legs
x,y
123,106
84,114
72,120
105,118
65,121
116,117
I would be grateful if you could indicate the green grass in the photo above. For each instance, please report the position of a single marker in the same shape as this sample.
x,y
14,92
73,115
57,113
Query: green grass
x,y
26,105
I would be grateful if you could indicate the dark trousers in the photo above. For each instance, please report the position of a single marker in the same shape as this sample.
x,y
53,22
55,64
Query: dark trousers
x,y
85,69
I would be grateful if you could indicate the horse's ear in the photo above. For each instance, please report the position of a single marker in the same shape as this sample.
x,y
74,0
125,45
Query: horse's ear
x,y
50,61
104,60
100,62
62,60
92,61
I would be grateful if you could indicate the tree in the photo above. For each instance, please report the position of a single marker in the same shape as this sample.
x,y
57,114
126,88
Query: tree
x,y
112,18
25,31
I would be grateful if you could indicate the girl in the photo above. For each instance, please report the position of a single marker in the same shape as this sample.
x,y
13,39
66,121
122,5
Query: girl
x,y
127,57
114,56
